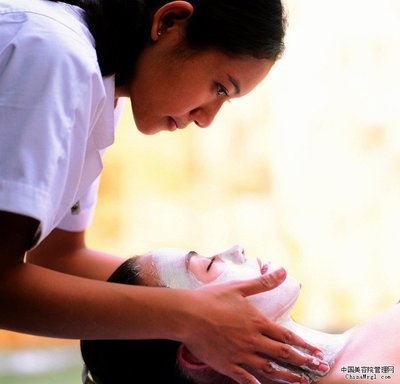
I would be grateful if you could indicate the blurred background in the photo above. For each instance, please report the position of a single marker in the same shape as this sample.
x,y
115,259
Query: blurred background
x,y
305,172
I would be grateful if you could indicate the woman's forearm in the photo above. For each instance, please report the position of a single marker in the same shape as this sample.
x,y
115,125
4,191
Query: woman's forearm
x,y
40,301
54,292
66,252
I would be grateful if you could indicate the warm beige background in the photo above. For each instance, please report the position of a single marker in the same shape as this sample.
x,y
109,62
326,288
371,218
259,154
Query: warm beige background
x,y
304,172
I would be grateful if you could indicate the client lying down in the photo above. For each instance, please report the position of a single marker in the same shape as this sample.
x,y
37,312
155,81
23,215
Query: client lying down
x,y
370,344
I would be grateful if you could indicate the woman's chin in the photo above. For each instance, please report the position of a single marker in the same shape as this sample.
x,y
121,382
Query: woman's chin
x,y
148,130
151,127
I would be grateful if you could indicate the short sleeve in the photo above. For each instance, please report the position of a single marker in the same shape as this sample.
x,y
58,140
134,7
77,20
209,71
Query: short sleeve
x,y
79,217
47,81
81,213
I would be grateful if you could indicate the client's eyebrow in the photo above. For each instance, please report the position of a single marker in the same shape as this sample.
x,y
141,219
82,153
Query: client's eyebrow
x,y
188,257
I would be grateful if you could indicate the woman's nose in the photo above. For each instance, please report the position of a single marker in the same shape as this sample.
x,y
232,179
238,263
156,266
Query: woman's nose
x,y
235,254
204,115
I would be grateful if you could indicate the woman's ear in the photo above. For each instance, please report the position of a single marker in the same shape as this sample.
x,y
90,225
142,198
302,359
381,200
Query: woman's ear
x,y
188,360
169,16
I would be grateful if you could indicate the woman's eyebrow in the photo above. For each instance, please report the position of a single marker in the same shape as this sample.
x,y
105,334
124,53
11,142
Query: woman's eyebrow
x,y
235,84
188,257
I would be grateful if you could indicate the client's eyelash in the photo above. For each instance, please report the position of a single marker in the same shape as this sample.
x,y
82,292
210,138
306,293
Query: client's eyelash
x,y
211,263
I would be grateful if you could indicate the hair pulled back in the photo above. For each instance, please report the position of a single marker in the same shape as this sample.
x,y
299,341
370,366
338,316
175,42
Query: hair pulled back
x,y
132,361
121,29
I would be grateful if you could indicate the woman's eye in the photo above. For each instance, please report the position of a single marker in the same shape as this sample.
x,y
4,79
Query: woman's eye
x,y
211,263
221,90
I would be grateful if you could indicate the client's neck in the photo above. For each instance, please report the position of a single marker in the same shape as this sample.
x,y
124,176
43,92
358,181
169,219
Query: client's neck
x,y
329,343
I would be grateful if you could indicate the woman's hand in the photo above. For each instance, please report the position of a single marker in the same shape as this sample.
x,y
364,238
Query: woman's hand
x,y
229,334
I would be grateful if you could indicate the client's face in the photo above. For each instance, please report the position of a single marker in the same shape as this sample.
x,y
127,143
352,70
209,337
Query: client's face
x,y
179,268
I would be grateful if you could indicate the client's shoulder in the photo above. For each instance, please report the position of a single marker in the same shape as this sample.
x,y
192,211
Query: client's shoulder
x,y
372,354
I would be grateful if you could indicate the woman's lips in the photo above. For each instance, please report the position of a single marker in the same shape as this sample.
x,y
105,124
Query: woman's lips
x,y
172,125
179,123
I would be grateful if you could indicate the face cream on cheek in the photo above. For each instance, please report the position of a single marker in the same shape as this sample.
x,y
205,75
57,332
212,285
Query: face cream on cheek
x,y
238,271
278,301
273,303
171,267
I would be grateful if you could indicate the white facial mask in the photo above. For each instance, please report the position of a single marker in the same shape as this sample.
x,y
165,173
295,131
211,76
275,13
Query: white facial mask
x,y
171,267
274,303
173,273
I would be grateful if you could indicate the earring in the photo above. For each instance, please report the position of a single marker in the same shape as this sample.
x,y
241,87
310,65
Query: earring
x,y
159,32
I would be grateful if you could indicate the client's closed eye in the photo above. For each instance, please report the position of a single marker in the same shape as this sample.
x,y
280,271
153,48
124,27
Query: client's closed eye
x,y
205,269
211,263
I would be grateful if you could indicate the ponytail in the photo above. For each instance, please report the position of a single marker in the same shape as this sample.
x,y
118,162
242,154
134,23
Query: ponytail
x,y
119,33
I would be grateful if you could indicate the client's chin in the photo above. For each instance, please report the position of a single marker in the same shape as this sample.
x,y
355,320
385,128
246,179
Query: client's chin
x,y
279,301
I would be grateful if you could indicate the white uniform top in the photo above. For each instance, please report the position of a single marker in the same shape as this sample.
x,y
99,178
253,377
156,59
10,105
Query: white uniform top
x,y
56,114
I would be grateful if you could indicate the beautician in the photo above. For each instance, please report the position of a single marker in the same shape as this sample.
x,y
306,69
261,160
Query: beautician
x,y
63,67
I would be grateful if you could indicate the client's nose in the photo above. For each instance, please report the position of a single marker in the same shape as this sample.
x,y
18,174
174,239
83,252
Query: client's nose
x,y
235,253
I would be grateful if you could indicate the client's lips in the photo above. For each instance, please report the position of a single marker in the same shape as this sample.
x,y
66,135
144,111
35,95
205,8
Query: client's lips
x,y
263,267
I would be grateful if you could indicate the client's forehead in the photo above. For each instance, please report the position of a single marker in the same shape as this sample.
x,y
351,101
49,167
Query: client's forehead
x,y
148,271
172,267
150,264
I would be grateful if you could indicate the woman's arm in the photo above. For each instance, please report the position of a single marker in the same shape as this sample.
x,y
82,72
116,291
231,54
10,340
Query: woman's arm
x,y
41,301
66,252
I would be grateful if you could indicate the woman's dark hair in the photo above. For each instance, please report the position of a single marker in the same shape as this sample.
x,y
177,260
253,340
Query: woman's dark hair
x,y
121,29
132,361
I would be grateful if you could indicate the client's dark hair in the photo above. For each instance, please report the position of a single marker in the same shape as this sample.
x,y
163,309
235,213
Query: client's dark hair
x,y
132,361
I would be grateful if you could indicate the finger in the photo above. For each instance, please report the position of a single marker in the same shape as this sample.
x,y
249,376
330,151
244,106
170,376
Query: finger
x,y
291,355
274,372
287,340
289,337
261,284
279,374
241,376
